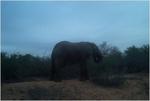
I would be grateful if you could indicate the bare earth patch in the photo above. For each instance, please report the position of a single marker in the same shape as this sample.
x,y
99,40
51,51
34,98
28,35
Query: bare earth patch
x,y
75,89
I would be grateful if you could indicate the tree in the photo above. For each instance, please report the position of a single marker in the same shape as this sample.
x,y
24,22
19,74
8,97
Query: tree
x,y
137,59
110,71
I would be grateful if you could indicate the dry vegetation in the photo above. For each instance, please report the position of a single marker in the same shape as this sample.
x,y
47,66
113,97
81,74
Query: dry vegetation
x,y
135,87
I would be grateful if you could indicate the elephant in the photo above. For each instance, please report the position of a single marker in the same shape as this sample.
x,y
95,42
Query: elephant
x,y
65,53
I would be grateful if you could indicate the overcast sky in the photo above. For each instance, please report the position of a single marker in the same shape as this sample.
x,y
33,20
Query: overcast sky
x,y
35,27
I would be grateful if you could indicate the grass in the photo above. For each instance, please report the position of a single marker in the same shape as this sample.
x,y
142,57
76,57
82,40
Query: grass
x,y
109,80
131,89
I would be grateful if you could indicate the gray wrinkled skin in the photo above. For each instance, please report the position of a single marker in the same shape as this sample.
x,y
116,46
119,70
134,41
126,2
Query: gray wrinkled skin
x,y
65,53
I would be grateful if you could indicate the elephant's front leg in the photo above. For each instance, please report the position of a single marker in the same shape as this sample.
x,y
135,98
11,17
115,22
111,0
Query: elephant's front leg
x,y
83,72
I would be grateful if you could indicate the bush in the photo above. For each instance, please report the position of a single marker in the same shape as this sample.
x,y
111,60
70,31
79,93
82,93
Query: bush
x,y
7,67
137,59
18,67
110,71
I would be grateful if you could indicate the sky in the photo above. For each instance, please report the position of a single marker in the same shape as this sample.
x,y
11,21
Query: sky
x,y
34,27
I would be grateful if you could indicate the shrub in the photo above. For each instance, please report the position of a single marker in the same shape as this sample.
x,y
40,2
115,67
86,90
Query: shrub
x,y
110,71
18,67
137,59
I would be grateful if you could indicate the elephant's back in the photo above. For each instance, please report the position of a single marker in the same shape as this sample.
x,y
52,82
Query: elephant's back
x,y
62,48
72,48
72,51
73,45
63,43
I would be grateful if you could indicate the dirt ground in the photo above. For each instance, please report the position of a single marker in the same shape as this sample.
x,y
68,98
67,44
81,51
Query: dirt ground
x,y
135,87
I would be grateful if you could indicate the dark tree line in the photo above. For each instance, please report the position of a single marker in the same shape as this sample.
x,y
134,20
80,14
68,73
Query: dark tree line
x,y
115,64
133,60
18,67
137,59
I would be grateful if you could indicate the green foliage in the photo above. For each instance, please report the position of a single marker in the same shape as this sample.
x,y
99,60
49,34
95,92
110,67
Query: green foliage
x,y
17,67
137,59
108,72
112,62
7,67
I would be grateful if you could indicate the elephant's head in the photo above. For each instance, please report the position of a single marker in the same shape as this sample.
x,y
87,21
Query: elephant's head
x,y
96,54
